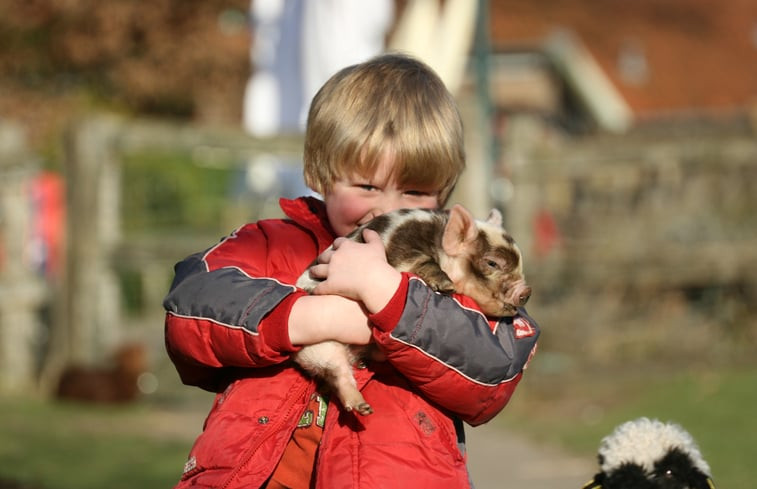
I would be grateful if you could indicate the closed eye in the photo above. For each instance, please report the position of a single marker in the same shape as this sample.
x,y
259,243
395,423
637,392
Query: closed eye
x,y
493,265
417,193
494,262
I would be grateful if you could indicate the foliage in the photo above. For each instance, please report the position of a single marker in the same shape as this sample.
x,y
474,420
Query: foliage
x,y
164,193
186,59
147,57
171,206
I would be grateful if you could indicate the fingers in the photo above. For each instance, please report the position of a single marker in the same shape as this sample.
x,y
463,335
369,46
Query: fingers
x,y
338,242
339,270
325,257
370,236
319,271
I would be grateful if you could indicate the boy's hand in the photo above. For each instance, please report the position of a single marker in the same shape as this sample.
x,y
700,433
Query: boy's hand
x,y
357,271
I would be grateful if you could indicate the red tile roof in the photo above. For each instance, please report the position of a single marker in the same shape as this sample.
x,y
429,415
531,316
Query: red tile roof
x,y
701,55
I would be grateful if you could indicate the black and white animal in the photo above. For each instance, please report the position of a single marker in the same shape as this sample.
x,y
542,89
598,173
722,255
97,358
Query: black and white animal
x,y
451,252
650,454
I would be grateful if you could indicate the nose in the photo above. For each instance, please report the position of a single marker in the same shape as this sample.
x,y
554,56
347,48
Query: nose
x,y
388,203
524,295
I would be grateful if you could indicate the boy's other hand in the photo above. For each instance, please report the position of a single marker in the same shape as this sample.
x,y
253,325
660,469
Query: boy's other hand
x,y
358,271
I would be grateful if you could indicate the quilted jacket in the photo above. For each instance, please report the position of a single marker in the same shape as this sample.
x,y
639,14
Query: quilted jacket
x,y
226,332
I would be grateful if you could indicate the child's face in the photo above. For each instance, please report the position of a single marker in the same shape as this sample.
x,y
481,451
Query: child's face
x,y
356,199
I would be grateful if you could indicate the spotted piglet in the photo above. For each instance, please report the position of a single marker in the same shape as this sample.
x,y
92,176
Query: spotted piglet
x,y
451,252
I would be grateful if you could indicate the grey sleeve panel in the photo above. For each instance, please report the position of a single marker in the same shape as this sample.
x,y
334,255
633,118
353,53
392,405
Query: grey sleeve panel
x,y
225,296
461,338
521,347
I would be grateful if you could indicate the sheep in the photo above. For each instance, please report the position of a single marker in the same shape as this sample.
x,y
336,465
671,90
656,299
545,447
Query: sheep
x,y
649,454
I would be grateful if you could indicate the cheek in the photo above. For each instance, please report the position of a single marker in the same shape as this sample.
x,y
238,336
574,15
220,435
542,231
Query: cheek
x,y
344,215
494,283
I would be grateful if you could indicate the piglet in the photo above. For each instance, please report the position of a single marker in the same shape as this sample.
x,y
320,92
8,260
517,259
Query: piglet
x,y
451,252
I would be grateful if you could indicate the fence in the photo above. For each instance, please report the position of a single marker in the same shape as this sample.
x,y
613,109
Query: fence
x,y
96,149
609,226
102,258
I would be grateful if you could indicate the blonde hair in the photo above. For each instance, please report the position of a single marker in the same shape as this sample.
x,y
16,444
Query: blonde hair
x,y
390,105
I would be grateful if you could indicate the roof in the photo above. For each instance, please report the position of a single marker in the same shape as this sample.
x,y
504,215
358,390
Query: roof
x,y
664,56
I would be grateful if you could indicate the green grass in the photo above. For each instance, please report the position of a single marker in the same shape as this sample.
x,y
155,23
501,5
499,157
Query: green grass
x,y
69,446
717,408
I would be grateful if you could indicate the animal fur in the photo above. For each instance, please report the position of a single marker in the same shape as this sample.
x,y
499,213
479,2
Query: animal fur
x,y
650,454
451,252
107,384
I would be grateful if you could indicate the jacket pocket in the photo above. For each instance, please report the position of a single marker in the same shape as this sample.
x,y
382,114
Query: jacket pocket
x,y
245,432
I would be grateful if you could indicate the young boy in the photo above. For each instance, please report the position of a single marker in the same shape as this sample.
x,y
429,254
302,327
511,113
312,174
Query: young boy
x,y
381,135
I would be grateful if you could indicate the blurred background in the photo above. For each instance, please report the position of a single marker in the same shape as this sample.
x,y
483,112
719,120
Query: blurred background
x,y
618,138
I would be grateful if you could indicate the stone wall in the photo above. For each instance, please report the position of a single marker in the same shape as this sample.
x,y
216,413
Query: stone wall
x,y
640,247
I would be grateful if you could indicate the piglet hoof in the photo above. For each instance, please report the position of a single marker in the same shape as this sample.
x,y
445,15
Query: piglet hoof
x,y
364,409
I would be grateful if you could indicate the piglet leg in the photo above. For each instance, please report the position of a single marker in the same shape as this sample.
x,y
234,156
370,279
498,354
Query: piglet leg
x,y
332,362
343,383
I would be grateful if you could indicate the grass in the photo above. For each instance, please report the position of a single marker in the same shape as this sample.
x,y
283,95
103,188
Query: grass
x,y
716,407
70,446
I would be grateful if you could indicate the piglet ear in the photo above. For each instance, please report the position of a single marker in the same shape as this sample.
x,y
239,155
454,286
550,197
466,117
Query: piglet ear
x,y
495,218
460,230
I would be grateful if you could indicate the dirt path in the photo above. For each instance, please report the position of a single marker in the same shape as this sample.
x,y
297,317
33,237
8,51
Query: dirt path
x,y
500,459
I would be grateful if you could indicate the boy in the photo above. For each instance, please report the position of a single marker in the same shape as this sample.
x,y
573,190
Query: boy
x,y
381,135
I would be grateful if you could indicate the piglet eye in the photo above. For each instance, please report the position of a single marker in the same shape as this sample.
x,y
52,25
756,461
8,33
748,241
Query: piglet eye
x,y
491,263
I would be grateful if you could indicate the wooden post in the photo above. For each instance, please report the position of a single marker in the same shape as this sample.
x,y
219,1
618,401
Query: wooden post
x,y
21,290
93,309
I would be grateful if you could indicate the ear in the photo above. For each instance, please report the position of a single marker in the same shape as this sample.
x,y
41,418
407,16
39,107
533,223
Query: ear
x,y
495,218
460,230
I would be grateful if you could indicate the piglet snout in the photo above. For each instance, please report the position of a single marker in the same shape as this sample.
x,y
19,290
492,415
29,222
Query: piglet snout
x,y
523,295
519,294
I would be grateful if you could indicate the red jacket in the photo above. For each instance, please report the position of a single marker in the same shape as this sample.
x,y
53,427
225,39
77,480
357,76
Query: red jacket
x,y
226,331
